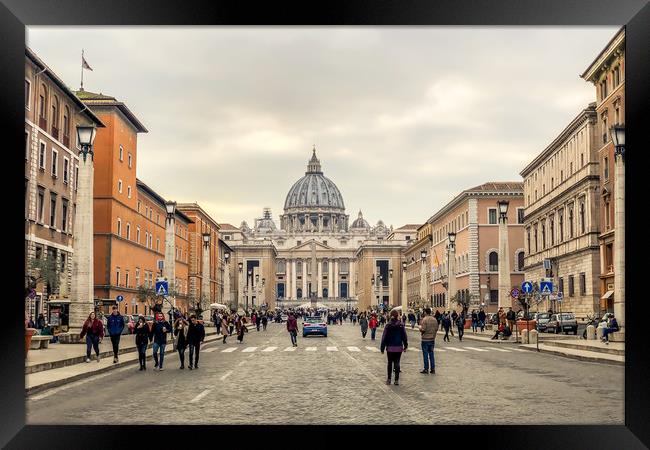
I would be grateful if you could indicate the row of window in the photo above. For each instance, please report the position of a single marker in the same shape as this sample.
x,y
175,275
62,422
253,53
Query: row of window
x,y
539,229
148,213
282,267
130,157
181,254
53,254
462,220
148,280
56,166
57,216
119,188
59,120
462,264
343,291
612,79
582,277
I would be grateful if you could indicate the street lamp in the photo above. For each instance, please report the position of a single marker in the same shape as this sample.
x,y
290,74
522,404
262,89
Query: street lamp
x,y
618,138
171,209
240,266
504,260
205,276
403,296
206,239
451,269
86,137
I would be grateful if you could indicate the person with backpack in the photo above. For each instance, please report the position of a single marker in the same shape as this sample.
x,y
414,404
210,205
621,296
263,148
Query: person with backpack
x,y
446,325
372,324
115,326
394,341
292,328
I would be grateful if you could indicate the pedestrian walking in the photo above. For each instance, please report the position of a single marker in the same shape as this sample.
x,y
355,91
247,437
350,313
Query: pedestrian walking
x,y
231,323
453,317
195,337
40,321
394,341
363,323
502,316
265,321
428,331
438,316
142,339
292,328
481,319
474,317
180,331
115,326
159,331
446,325
372,323
241,329
93,329
224,328
256,321
460,324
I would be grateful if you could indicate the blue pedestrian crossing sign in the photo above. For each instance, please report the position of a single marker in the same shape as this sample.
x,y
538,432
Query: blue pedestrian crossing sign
x,y
546,287
527,287
119,298
162,288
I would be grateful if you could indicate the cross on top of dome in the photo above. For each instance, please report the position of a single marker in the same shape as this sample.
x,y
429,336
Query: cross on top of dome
x,y
314,164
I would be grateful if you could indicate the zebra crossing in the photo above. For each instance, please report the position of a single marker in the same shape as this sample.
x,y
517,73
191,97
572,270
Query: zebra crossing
x,y
354,349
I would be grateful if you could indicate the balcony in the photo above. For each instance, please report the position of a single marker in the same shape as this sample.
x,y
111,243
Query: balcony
x,y
55,132
42,123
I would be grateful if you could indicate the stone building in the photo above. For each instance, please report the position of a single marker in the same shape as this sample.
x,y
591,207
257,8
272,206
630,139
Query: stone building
x,y
473,215
313,255
52,113
417,273
607,73
129,216
561,190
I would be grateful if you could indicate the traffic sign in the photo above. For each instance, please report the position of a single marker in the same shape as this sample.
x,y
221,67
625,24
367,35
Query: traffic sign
x,y
546,287
527,287
560,295
514,293
162,288
120,298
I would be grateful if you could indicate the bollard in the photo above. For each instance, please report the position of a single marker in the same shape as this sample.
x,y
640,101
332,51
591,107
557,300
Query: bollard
x,y
591,332
532,337
525,339
599,332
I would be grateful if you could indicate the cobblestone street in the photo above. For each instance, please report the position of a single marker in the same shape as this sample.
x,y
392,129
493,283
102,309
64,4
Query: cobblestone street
x,y
340,380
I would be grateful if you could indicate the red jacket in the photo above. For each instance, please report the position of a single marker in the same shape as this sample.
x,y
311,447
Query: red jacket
x,y
292,324
373,323
96,327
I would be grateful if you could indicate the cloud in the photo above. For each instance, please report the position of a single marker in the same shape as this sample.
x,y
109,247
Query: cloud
x,y
403,118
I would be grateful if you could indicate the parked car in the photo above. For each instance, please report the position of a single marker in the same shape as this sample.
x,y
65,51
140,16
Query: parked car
x,y
522,316
314,325
562,323
542,320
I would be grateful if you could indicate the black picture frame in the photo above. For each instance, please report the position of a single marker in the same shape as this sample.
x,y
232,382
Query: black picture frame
x,y
635,14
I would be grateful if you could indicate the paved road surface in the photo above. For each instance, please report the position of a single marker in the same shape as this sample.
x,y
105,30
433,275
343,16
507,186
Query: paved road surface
x,y
341,380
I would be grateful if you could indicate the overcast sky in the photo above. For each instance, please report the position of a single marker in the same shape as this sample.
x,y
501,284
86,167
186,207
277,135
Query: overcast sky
x,y
403,118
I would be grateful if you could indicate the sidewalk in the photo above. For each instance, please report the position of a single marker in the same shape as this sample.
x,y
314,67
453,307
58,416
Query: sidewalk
x,y
592,351
64,363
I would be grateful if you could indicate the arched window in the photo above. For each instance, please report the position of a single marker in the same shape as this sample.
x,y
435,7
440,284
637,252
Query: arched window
x,y
55,117
299,268
582,217
493,259
299,292
325,267
281,266
520,261
66,123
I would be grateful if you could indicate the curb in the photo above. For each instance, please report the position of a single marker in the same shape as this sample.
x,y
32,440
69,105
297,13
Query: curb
x,y
587,358
63,381
474,337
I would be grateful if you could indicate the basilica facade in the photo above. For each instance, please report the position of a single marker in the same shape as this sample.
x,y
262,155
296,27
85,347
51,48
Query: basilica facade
x,y
315,256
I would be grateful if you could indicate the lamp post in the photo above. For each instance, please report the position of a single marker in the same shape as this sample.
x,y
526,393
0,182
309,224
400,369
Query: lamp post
x,y
403,296
205,279
618,137
240,292
390,287
423,260
169,271
451,270
249,287
226,279
504,259
82,287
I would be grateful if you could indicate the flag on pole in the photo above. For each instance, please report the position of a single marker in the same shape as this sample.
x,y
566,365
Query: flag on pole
x,y
436,256
84,63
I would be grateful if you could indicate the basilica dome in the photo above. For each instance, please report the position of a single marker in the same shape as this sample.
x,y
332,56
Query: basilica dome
x,y
314,191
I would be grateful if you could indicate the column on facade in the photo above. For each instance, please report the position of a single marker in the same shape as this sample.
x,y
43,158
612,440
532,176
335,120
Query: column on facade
x,y
451,286
320,222
320,279
351,291
336,278
504,266
169,271
304,278
330,278
226,283
294,288
619,239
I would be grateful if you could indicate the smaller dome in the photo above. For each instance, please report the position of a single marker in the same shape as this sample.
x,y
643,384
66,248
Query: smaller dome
x,y
360,222
265,224
244,227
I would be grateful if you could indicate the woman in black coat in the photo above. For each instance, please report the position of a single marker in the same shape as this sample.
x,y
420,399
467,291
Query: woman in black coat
x,y
142,338
180,331
195,336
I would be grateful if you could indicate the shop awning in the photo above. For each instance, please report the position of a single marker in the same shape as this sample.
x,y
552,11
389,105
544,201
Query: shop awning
x,y
607,295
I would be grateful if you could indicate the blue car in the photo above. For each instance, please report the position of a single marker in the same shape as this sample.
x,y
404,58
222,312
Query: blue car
x,y
314,325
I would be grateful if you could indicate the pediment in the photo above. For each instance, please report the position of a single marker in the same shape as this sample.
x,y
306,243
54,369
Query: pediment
x,y
307,246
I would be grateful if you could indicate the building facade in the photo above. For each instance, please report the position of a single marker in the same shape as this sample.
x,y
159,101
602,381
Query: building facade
x,y
129,217
52,113
607,74
562,196
473,215
313,255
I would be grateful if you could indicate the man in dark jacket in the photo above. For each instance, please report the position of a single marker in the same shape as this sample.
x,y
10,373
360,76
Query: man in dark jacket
x,y
159,331
481,319
195,336
115,326
292,328
511,317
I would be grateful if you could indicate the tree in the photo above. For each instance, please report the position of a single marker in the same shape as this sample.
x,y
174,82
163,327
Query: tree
x,y
43,270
